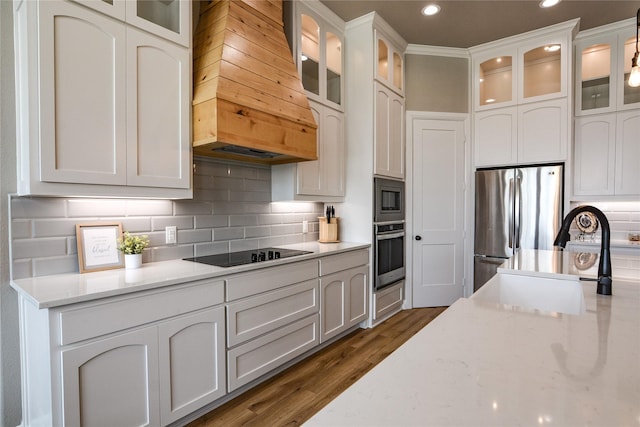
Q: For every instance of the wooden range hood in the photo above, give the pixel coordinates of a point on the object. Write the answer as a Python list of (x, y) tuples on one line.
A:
[(248, 100)]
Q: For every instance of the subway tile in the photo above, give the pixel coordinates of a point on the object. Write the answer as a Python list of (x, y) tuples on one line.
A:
[(194, 236), (267, 242), (26, 207), (182, 222), (95, 208), (20, 229), (228, 233), (229, 208), (157, 238), (149, 207), (55, 265), (206, 195), (249, 196), (258, 208), (239, 220), (293, 218), (211, 221), (203, 182), (21, 269), (256, 185), (211, 248), (244, 245), (38, 248), (170, 252), (270, 219), (55, 227), (264, 174), (184, 207), (227, 183), (279, 230), (135, 224), (210, 167), (243, 171), (251, 232), (72, 245)]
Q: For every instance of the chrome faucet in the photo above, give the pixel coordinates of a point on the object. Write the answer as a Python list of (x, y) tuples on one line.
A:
[(604, 267)]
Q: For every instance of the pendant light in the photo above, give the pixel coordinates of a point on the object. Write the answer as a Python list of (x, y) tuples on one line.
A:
[(634, 77)]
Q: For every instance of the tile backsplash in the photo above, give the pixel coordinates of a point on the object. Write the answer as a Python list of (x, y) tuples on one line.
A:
[(624, 218), (231, 210)]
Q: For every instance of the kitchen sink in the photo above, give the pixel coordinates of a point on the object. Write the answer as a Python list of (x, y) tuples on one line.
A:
[(533, 292)]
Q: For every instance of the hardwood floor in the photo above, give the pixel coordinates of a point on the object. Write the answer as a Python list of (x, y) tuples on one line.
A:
[(296, 394)]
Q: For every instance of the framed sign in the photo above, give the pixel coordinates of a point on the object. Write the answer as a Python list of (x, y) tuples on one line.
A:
[(98, 246)]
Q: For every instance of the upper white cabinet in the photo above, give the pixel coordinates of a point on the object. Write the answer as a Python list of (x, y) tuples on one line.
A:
[(521, 97), (603, 64), (318, 43), (389, 132), (103, 108), (170, 19), (389, 63)]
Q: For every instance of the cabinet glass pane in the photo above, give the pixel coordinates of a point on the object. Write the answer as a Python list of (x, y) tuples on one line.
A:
[(631, 94), (334, 67), (165, 13), (495, 80), (310, 54), (397, 70), (108, 1), (596, 74), (383, 60), (542, 68)]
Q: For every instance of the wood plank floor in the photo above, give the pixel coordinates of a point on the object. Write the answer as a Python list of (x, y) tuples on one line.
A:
[(296, 394)]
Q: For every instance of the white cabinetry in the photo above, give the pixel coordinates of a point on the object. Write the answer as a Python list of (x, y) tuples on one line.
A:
[(344, 292), (521, 92), (272, 318), (389, 133), (318, 46), (317, 180), (594, 156), (143, 359), (103, 108)]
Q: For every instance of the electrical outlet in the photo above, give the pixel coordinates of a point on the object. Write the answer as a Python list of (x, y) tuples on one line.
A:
[(305, 226), (170, 235)]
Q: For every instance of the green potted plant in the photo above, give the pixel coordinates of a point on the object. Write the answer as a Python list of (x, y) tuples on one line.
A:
[(132, 246)]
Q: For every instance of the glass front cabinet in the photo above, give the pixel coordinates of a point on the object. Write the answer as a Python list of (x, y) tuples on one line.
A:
[(603, 64)]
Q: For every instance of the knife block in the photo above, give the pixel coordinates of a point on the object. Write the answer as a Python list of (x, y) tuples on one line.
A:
[(328, 230)]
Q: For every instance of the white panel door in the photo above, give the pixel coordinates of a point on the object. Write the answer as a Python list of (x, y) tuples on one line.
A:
[(438, 212)]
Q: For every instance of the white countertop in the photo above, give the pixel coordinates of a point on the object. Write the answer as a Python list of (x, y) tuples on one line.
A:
[(62, 289), (481, 363)]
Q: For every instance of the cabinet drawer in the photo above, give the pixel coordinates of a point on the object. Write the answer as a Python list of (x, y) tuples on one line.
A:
[(249, 361), (249, 318), (92, 320), (388, 300), (247, 284), (343, 261)]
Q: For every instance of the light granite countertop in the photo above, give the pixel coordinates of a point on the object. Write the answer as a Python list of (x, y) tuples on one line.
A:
[(485, 364), (62, 289)]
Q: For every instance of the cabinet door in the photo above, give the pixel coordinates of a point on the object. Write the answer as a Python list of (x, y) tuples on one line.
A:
[(168, 19), (358, 288), (542, 131), (594, 161), (192, 363), (158, 95), (82, 94), (308, 173), (389, 133), (333, 305), (595, 74), (496, 137), (113, 381), (114, 8), (332, 153), (542, 69), (628, 153)]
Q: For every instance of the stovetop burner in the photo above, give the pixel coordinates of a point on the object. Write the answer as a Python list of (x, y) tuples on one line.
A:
[(246, 257)]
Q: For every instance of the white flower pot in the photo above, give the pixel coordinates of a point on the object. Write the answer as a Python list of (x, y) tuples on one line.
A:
[(132, 261)]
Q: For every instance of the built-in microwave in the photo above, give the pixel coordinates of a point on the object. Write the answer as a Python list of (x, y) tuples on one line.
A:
[(388, 200)]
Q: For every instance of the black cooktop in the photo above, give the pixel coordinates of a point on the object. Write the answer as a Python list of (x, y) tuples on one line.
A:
[(246, 257)]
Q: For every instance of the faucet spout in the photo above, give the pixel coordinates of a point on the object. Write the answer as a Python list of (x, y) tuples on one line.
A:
[(604, 266)]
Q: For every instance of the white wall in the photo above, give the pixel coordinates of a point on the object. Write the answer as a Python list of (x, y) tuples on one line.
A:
[(9, 344)]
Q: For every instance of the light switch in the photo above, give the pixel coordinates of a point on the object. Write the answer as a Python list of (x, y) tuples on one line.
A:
[(170, 233)]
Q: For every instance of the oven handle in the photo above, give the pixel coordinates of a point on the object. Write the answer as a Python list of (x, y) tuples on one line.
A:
[(389, 236)]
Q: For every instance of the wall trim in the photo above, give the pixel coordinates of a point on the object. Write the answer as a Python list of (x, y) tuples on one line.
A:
[(453, 52)]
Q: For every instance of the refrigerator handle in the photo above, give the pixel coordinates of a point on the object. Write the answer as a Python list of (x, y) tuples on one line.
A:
[(511, 225), (517, 211)]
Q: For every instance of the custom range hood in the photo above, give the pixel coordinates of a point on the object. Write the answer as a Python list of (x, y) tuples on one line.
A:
[(248, 100)]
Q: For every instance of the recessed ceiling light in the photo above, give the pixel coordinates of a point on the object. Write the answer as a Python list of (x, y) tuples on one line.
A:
[(552, 48), (549, 3), (430, 9), (490, 100)]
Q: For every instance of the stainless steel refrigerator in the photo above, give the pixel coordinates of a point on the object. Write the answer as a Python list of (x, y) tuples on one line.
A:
[(516, 208)]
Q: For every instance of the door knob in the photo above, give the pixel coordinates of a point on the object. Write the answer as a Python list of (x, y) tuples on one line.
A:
[(418, 237)]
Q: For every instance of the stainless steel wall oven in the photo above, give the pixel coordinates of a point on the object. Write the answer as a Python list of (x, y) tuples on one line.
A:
[(389, 253)]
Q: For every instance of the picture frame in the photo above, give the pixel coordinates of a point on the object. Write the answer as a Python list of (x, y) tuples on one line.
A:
[(98, 246)]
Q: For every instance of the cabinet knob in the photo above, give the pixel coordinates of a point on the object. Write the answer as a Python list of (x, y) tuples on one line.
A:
[(418, 237)]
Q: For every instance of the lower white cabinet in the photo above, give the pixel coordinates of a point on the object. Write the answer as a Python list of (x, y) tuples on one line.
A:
[(147, 358), (344, 292), (607, 149), (388, 300)]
